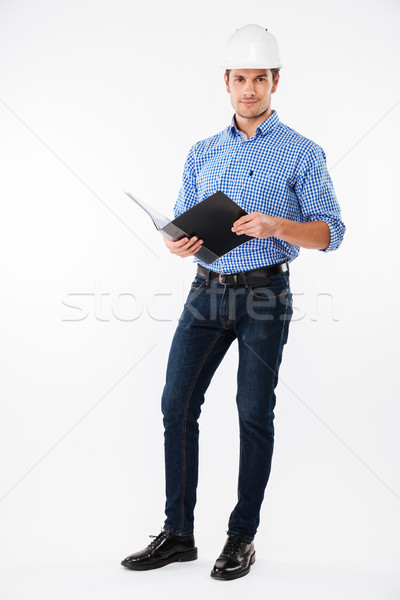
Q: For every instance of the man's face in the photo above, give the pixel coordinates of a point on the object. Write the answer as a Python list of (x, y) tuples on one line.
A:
[(250, 91)]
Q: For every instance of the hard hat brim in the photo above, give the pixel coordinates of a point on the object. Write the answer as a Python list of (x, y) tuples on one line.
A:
[(245, 65)]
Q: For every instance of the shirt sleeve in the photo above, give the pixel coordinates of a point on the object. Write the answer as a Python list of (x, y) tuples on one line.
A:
[(187, 196), (316, 196)]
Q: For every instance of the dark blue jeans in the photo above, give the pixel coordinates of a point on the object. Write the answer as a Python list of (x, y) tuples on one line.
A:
[(213, 316)]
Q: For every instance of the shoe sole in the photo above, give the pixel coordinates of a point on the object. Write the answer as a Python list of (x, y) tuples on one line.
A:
[(181, 557), (230, 576)]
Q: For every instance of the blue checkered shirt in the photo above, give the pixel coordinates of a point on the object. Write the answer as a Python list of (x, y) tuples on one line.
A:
[(277, 172)]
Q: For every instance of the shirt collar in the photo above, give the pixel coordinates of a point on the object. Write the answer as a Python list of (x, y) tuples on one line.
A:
[(263, 129)]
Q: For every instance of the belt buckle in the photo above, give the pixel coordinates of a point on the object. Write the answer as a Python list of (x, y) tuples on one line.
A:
[(222, 275)]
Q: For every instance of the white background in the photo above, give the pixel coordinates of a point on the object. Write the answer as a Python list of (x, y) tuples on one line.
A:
[(97, 97)]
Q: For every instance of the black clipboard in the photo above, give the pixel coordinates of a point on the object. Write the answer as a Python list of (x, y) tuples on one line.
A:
[(210, 220)]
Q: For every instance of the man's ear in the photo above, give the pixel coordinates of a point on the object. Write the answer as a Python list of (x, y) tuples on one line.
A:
[(275, 84), (227, 84)]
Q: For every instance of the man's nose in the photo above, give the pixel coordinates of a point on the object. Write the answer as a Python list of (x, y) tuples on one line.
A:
[(249, 88)]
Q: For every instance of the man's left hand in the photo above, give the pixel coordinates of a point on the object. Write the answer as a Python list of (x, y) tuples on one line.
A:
[(257, 225)]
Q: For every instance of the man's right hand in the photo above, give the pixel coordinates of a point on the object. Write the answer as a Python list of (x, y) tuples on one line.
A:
[(184, 247)]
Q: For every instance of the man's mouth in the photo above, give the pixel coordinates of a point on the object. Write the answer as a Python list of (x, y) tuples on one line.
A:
[(249, 102)]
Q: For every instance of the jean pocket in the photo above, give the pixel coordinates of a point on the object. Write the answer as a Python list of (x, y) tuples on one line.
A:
[(198, 283), (278, 287)]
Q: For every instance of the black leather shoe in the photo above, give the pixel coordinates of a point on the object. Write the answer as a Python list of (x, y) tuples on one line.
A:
[(235, 559), (164, 549)]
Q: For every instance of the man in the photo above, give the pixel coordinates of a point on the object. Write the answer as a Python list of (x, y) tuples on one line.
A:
[(280, 179)]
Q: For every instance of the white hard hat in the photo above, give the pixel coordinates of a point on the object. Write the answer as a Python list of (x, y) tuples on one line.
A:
[(251, 47)]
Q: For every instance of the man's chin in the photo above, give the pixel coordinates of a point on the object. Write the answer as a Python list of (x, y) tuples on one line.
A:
[(250, 115)]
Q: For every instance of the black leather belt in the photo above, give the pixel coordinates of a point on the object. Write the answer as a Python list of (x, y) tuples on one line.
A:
[(255, 276)]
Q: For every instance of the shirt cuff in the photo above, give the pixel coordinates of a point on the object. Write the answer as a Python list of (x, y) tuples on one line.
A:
[(336, 228)]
